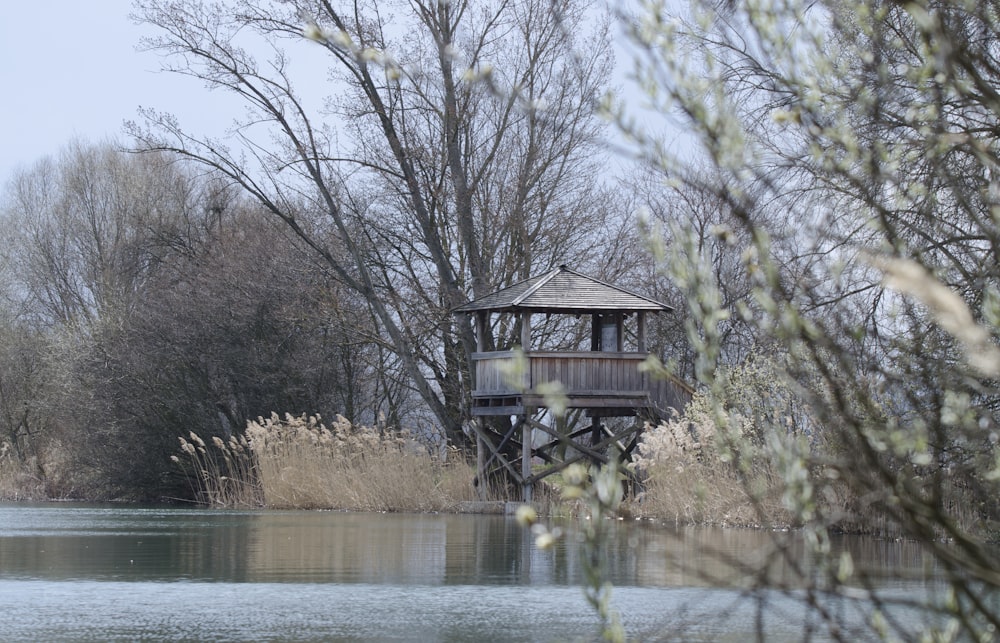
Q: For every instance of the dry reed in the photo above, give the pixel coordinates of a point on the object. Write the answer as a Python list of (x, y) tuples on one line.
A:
[(305, 464), (223, 475), (298, 462), (687, 481)]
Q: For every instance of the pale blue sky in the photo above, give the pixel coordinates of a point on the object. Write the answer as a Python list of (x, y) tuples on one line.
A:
[(69, 68)]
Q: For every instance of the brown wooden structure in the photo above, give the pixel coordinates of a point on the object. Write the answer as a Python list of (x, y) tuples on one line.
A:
[(516, 390)]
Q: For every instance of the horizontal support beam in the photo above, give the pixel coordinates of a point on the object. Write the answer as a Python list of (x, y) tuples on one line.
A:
[(481, 397), (628, 356), (497, 410)]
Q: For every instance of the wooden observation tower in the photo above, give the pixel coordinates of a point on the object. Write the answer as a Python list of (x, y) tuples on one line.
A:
[(520, 394)]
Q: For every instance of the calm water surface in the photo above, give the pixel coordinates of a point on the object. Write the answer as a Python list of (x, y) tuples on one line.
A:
[(78, 573)]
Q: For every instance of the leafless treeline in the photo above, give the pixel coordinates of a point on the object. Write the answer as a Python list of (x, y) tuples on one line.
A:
[(310, 261)]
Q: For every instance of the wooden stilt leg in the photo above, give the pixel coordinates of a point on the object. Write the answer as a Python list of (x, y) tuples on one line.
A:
[(480, 467), (526, 460)]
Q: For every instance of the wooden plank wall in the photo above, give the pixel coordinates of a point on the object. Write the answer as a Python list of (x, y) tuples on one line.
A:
[(580, 373)]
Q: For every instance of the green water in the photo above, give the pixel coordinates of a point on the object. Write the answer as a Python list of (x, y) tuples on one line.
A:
[(77, 573)]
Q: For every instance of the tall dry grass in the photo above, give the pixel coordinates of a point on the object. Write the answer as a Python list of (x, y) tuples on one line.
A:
[(223, 474), (301, 463), (686, 480), (306, 464), (761, 472)]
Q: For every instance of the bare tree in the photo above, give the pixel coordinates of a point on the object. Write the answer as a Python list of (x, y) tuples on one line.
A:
[(854, 146), (417, 188), (246, 324), (90, 227), (23, 421), (672, 214), (87, 231)]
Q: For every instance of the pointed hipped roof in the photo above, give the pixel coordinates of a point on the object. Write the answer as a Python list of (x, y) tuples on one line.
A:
[(563, 291)]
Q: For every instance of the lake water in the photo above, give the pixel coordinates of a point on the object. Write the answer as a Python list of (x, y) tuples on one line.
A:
[(84, 573)]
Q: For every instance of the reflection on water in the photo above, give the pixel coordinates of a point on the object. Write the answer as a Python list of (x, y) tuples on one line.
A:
[(100, 573), (65, 543)]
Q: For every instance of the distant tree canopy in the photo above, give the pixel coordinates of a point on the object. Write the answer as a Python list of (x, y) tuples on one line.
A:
[(148, 300)]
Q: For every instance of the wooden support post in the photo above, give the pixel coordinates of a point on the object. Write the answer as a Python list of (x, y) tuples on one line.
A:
[(595, 430), (592, 452), (495, 453), (498, 451), (626, 455), (480, 467), (615, 440), (526, 331), (526, 485), (481, 328), (641, 331)]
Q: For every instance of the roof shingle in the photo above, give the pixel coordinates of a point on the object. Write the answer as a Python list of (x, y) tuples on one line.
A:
[(563, 291)]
